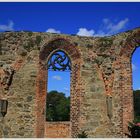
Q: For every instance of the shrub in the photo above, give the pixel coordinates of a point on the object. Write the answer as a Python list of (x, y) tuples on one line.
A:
[(29, 46), (134, 129), (30, 33), (82, 135), (38, 40)]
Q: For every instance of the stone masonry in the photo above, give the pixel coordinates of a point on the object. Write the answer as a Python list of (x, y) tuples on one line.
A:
[(101, 84)]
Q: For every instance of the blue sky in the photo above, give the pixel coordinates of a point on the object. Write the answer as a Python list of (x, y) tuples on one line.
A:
[(136, 69), (85, 19), (59, 81)]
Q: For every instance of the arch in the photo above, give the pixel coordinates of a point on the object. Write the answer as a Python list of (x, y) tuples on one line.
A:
[(74, 54), (58, 62), (132, 42), (127, 50), (135, 82), (59, 44)]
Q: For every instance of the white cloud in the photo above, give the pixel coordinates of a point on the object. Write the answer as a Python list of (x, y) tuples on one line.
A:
[(52, 30), (138, 88), (107, 27), (57, 77), (8, 27), (134, 67), (85, 32), (114, 28)]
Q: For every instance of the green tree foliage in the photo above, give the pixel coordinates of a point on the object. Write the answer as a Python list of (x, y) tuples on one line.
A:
[(134, 130), (58, 106), (136, 95)]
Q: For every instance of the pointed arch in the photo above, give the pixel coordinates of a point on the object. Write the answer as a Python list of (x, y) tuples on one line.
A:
[(74, 54), (132, 42)]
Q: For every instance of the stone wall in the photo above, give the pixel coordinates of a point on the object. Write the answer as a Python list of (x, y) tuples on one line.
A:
[(101, 83)]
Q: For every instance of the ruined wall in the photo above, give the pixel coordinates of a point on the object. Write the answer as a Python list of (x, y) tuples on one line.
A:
[(57, 130), (104, 87)]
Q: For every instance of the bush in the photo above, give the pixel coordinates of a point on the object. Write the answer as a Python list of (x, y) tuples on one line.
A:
[(82, 135), (29, 46), (134, 129), (30, 34), (38, 40)]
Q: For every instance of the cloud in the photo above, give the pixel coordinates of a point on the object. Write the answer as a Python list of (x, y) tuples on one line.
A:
[(8, 27), (57, 77), (114, 28), (85, 32), (107, 28), (52, 30), (134, 67)]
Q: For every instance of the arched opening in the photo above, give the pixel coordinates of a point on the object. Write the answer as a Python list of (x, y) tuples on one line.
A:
[(136, 83), (58, 86), (65, 129), (127, 54)]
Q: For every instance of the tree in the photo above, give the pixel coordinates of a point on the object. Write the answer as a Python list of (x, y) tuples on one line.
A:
[(134, 130), (57, 106), (136, 95)]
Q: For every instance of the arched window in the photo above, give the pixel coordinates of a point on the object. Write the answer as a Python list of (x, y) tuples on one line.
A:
[(58, 56), (136, 83), (58, 94)]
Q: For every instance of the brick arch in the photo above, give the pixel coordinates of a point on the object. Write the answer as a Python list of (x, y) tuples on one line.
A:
[(74, 54), (132, 42), (62, 44)]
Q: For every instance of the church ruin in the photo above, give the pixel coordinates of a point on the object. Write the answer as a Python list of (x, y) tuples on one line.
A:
[(101, 84)]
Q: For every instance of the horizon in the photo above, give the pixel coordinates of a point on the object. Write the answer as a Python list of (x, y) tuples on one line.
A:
[(68, 34)]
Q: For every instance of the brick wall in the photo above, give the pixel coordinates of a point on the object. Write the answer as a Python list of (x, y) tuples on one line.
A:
[(57, 130)]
